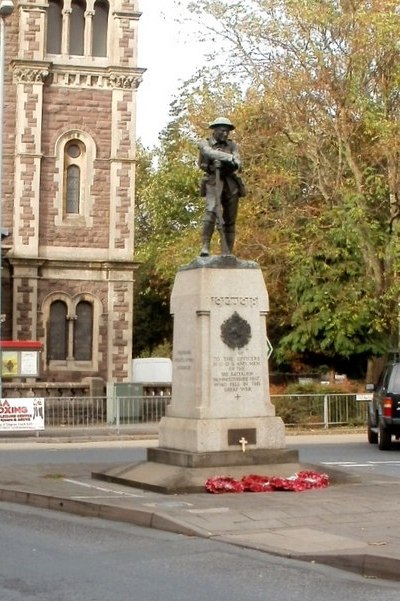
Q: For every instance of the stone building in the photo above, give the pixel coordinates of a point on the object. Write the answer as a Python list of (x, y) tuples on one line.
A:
[(71, 77)]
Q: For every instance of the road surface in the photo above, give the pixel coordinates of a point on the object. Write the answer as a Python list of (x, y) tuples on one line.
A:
[(46, 556)]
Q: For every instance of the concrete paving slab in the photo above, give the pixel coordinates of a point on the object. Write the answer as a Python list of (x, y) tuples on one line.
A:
[(296, 540)]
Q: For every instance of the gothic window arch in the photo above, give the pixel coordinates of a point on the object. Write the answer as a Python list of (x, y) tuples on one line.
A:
[(75, 155), (100, 26), (72, 330)]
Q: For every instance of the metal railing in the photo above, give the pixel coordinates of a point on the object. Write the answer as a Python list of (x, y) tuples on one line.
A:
[(144, 409), (75, 411), (90, 411), (321, 410), (301, 410)]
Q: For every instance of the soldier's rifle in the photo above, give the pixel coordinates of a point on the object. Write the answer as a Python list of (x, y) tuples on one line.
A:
[(218, 208)]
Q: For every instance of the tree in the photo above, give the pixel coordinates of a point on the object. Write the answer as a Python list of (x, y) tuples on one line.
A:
[(166, 198), (166, 214), (325, 75)]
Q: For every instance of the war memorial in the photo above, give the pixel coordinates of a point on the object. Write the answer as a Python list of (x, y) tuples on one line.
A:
[(220, 418)]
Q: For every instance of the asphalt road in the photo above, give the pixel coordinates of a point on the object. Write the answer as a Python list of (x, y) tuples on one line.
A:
[(101, 452), (350, 452), (46, 556)]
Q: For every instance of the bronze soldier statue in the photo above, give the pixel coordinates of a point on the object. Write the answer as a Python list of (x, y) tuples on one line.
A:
[(221, 186)]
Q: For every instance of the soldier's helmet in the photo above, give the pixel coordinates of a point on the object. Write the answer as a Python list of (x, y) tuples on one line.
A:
[(222, 121)]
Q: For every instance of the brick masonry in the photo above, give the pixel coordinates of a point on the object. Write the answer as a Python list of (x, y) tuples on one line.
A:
[(49, 100)]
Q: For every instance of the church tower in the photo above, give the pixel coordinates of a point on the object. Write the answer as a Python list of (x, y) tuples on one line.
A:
[(71, 77)]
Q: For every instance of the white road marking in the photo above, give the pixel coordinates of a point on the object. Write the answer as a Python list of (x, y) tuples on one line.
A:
[(101, 489), (355, 464), (350, 464), (386, 462)]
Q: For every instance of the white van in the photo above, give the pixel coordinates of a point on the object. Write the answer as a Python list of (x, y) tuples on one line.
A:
[(154, 370)]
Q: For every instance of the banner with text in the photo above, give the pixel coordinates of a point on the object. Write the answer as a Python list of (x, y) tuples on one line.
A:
[(21, 414)]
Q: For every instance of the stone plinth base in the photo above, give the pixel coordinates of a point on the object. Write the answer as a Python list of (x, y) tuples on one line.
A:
[(175, 479), (173, 472), (213, 435), (169, 478), (223, 458)]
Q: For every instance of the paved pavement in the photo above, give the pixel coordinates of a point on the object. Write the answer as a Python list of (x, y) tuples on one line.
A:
[(351, 525)]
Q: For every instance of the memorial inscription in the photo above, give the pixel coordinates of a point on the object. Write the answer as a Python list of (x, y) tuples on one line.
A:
[(235, 301), (183, 360), (240, 374)]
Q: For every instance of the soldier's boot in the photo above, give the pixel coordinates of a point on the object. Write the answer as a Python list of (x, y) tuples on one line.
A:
[(208, 230), (230, 241)]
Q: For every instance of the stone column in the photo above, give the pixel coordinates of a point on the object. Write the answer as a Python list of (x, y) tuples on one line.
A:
[(25, 298), (28, 159)]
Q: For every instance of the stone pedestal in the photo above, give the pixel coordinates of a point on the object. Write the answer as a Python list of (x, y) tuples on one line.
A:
[(220, 391), (221, 419)]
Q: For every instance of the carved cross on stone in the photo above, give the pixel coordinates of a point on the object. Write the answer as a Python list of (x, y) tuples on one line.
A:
[(243, 442)]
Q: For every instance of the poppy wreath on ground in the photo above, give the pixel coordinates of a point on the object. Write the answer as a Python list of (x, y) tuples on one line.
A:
[(224, 484), (304, 480)]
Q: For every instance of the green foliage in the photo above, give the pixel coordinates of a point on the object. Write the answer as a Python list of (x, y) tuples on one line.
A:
[(303, 410), (306, 409), (313, 388), (166, 203), (331, 83), (336, 309), (152, 321), (163, 349)]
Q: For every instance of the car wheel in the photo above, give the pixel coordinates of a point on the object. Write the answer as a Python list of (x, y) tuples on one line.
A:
[(372, 436), (384, 438)]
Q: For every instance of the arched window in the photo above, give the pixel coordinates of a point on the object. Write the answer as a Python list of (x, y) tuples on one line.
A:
[(100, 24), (83, 331), (77, 27), (54, 26), (74, 155), (58, 332)]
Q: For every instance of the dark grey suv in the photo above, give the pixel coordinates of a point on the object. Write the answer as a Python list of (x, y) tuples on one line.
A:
[(384, 409)]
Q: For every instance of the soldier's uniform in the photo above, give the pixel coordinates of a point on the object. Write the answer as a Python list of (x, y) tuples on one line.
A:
[(221, 154)]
